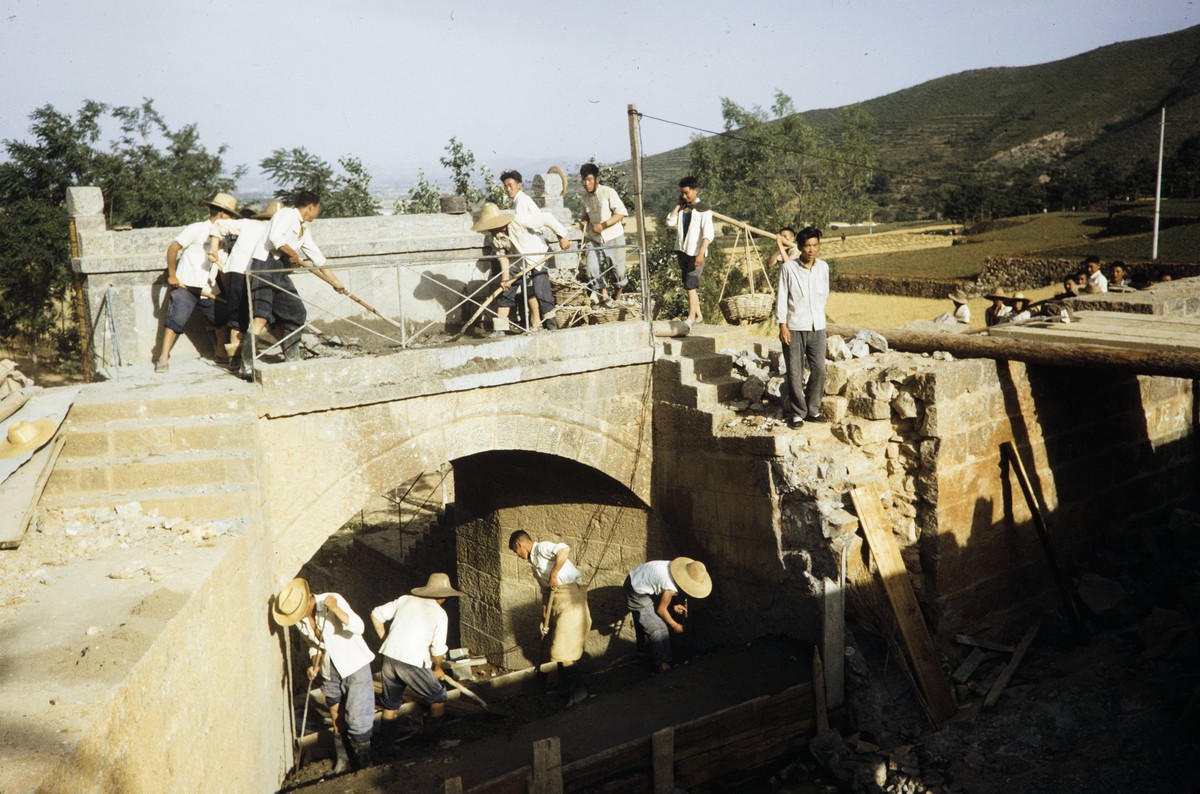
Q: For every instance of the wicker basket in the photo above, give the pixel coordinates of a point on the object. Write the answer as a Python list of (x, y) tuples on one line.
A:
[(568, 291), (748, 309), (610, 315)]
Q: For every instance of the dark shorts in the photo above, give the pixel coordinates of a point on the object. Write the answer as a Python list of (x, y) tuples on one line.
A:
[(688, 270), (233, 312), (538, 282), (274, 294), (182, 302), (396, 676)]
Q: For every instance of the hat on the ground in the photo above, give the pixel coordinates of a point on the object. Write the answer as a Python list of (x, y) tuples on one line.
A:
[(691, 576), (958, 296), (225, 202), (268, 211), (998, 294), (291, 602), (438, 586), (492, 217), (27, 436)]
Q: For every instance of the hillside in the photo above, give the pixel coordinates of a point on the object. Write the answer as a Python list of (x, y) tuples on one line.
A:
[(1102, 105)]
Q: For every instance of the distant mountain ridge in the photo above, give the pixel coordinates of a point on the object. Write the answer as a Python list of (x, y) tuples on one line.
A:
[(1102, 104)]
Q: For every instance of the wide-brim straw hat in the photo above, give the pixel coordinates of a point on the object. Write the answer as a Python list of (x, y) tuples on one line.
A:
[(691, 576), (998, 294), (27, 436), (223, 201), (1018, 296), (268, 211), (291, 602), (958, 296), (438, 586), (492, 217)]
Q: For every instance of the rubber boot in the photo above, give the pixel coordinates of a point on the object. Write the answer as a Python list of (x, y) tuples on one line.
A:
[(550, 324), (243, 363), (291, 349), (362, 751), (342, 765), (576, 691)]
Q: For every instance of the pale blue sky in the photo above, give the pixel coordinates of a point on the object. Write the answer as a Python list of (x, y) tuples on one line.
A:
[(519, 82)]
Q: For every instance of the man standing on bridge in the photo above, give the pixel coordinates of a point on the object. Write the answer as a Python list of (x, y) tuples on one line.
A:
[(800, 312), (565, 614), (692, 220), (601, 212)]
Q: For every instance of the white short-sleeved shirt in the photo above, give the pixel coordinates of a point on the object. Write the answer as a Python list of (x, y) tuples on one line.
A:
[(285, 228), (192, 267), (598, 207), (1100, 280), (344, 645), (533, 217), (248, 233), (418, 630), (652, 578), (541, 561), (803, 292)]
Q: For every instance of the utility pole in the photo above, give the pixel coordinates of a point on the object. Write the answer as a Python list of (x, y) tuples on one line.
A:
[(1162, 131), (635, 167)]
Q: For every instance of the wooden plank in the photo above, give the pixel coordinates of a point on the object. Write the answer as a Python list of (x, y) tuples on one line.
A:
[(833, 642), (1011, 668), (1110, 333), (1066, 589), (1173, 364), (514, 782), (21, 492), (1129, 318), (662, 753), (819, 713), (969, 665), (925, 662), (453, 785), (987, 645), (1151, 342), (547, 767), (11, 403)]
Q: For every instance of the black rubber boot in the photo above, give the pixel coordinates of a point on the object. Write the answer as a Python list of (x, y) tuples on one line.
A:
[(362, 752), (576, 691), (342, 765), (551, 324), (245, 361), (291, 349)]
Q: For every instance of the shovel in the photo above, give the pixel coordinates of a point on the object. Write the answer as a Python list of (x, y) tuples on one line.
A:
[(304, 718), (541, 677)]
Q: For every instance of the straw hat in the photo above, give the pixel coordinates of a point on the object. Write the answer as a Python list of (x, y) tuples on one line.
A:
[(998, 295), (691, 576), (1018, 296), (958, 296), (291, 603), (492, 217), (268, 211), (225, 202), (27, 436), (438, 586)]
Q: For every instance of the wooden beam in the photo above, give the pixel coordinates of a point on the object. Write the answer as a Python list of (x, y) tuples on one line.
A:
[(967, 669), (927, 666), (19, 500), (1011, 668), (547, 767), (1066, 589), (818, 675), (662, 750), (453, 785), (1177, 364), (987, 645), (833, 642)]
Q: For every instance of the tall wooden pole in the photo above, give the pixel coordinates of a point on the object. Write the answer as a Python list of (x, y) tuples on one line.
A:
[(1162, 132), (635, 167)]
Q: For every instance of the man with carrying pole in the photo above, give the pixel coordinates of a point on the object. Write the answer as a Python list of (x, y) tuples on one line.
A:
[(565, 614), (338, 652)]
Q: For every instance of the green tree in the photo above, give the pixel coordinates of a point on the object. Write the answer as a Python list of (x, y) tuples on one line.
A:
[(343, 195), (423, 197), (33, 236)]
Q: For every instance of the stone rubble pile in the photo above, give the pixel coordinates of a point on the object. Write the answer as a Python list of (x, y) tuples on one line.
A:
[(61, 536)]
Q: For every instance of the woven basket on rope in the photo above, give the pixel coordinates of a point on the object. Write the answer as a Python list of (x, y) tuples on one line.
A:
[(569, 292), (610, 315), (748, 309)]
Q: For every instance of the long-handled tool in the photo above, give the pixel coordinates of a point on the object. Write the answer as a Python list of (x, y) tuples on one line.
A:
[(449, 680), (321, 275), (544, 628), (484, 304), (307, 698)]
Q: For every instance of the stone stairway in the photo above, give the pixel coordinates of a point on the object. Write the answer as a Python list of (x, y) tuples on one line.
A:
[(690, 372), (181, 444)]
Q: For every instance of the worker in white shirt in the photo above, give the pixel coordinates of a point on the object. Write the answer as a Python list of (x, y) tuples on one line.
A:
[(190, 275), (413, 651), (565, 614), (800, 312), (339, 654), (692, 220), (1095, 274), (601, 213)]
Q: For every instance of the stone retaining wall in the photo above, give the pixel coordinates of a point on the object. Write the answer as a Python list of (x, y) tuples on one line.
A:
[(1014, 272), (937, 288)]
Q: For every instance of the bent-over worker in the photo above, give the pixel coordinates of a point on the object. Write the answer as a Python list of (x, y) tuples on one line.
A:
[(649, 589)]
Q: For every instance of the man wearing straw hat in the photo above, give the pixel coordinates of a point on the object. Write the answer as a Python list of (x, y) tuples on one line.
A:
[(235, 241), (1000, 308), (962, 311), (191, 274), (601, 212), (531, 254), (649, 589), (565, 614), (413, 650), (338, 652)]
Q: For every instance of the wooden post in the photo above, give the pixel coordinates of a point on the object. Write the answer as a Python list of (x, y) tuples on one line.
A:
[(662, 746), (547, 767), (453, 785), (635, 168), (1007, 673), (818, 690), (927, 667), (1066, 590), (833, 642)]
